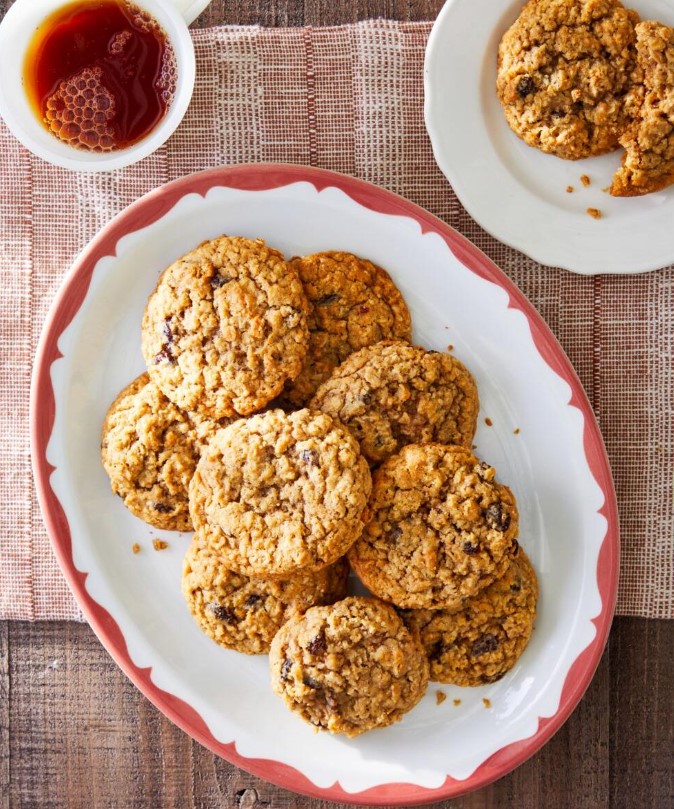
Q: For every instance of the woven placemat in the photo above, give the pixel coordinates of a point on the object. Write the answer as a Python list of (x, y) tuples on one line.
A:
[(348, 99)]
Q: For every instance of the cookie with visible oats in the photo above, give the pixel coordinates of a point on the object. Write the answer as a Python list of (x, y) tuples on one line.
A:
[(648, 162), (442, 528), (483, 639), (564, 75), (277, 492), (392, 394), (205, 428), (244, 614), (348, 668), (353, 304), (150, 450), (225, 328)]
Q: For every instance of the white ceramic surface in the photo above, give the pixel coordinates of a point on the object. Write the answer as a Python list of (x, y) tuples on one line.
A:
[(517, 193), (545, 464), (16, 31), (190, 9)]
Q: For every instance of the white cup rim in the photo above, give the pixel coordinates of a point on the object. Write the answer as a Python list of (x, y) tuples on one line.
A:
[(16, 31)]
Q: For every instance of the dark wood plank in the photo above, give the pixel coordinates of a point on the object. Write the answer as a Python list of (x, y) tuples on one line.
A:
[(580, 748), (274, 13), (642, 714), (80, 729), (82, 735), (290, 13), (4, 715)]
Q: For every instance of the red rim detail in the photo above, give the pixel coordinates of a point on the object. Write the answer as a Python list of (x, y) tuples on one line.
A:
[(260, 177)]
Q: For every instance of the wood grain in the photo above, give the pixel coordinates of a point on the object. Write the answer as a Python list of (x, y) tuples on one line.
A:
[(4, 715), (75, 733), (291, 13), (319, 12), (641, 714), (81, 735)]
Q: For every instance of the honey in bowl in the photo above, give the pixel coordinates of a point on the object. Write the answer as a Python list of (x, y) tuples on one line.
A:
[(100, 74)]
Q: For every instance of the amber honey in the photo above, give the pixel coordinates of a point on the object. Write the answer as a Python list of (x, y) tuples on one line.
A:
[(100, 74)]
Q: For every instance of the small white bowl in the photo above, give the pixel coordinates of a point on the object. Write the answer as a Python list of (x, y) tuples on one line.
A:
[(16, 32)]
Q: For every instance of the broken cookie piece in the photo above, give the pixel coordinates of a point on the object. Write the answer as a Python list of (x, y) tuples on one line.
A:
[(648, 162)]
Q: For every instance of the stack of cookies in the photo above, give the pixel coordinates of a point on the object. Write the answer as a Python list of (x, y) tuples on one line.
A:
[(286, 418)]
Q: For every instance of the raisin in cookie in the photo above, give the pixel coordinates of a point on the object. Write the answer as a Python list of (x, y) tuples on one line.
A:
[(565, 75), (392, 394), (348, 668), (481, 641), (648, 162), (278, 492), (225, 328), (442, 528), (353, 303), (244, 614), (149, 450)]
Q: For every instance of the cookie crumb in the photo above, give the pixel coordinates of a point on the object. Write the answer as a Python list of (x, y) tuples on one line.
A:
[(569, 189), (595, 213), (159, 544), (450, 347), (456, 702), (486, 702), (135, 547), (440, 697), (516, 431), (585, 180), (488, 422)]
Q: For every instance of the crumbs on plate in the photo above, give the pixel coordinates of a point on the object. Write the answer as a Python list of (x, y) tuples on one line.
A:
[(570, 119)]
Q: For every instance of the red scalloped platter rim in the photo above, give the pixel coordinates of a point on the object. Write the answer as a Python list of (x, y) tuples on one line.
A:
[(258, 177)]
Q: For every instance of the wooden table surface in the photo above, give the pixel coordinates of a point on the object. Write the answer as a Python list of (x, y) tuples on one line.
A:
[(74, 732)]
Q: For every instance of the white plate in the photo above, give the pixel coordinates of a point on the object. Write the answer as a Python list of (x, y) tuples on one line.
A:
[(517, 192), (556, 465)]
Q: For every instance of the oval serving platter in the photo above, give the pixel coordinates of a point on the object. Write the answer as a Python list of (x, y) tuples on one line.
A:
[(543, 440)]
